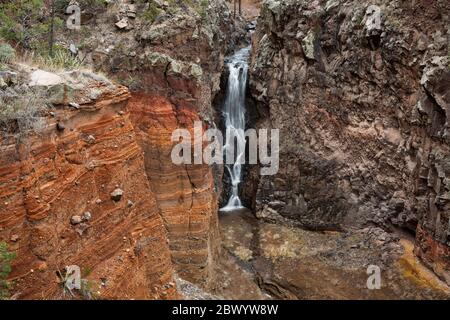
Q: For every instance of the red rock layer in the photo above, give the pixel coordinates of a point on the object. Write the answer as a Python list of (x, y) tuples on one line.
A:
[(435, 254), (48, 178), (185, 194)]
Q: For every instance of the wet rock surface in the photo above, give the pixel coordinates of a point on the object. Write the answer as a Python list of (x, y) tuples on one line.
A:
[(291, 263)]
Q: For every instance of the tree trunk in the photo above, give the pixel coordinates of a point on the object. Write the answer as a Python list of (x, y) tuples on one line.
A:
[(52, 27)]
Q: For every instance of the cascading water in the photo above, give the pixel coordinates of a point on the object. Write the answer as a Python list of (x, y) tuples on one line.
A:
[(234, 113)]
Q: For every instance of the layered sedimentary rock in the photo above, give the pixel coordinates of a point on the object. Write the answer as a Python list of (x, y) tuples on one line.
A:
[(75, 192), (185, 194), (360, 93), (172, 63)]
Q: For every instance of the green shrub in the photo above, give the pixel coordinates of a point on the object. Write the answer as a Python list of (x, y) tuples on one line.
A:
[(203, 9), (19, 18), (93, 5), (7, 53), (22, 113), (152, 12), (6, 258), (174, 7), (27, 23)]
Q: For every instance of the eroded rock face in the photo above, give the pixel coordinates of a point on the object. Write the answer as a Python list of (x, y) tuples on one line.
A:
[(362, 110), (185, 42), (172, 64), (185, 194), (55, 198)]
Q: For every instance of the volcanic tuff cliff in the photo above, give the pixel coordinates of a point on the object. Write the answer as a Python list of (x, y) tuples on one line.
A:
[(172, 64), (363, 112)]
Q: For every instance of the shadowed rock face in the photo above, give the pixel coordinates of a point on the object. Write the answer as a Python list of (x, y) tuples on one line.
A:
[(363, 117), (51, 180), (185, 194)]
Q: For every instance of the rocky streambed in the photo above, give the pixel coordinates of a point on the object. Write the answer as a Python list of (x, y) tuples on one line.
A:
[(283, 262)]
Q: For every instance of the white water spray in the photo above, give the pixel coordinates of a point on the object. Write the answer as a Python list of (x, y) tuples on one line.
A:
[(234, 112)]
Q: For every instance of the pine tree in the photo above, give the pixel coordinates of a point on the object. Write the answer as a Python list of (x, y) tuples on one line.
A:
[(6, 258)]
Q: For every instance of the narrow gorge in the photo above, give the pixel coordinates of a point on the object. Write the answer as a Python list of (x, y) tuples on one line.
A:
[(359, 92)]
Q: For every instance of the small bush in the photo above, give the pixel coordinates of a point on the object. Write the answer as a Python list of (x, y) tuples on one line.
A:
[(152, 12), (24, 22), (6, 258), (93, 5), (62, 59), (199, 6), (7, 53), (203, 9), (22, 113)]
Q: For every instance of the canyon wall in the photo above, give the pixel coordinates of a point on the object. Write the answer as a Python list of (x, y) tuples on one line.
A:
[(73, 191), (363, 106), (94, 184), (171, 57)]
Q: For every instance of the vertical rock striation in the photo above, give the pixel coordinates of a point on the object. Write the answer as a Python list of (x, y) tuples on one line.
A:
[(362, 104), (185, 194)]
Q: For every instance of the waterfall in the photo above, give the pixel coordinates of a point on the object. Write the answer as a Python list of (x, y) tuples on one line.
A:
[(234, 113)]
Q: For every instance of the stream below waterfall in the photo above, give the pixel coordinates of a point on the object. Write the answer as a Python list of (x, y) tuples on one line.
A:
[(262, 260)]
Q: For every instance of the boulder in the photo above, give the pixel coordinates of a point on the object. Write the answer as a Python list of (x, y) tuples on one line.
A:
[(308, 45), (76, 220), (44, 78), (117, 194), (122, 24)]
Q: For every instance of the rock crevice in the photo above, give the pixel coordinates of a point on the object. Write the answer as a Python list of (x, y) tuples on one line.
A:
[(360, 95)]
